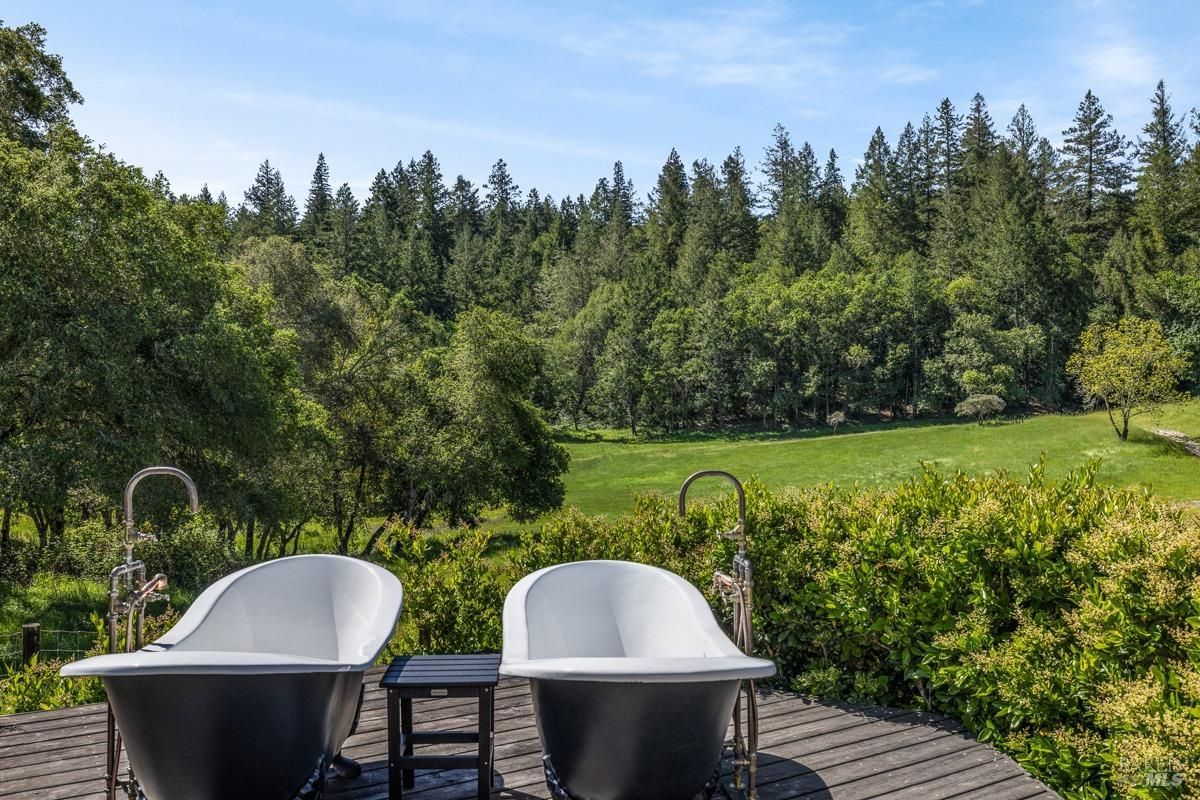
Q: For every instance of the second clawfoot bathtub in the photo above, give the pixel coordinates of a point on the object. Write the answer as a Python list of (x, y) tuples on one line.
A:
[(251, 694)]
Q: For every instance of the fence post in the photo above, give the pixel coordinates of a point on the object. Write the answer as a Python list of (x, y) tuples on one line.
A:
[(31, 642)]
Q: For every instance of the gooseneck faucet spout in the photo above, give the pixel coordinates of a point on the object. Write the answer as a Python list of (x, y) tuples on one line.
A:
[(188, 483), (736, 587), (739, 533)]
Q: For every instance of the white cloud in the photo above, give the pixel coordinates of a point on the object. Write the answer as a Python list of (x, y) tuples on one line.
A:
[(758, 46), (908, 73), (307, 108), (1116, 62)]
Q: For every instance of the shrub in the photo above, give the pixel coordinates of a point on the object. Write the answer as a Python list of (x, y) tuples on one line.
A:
[(39, 687), (980, 406)]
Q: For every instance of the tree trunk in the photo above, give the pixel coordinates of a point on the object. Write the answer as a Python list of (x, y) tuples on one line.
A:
[(263, 542), (378, 532), (248, 550), (6, 528), (1116, 429)]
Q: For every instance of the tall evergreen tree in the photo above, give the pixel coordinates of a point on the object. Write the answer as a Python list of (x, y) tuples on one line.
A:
[(948, 242), (667, 214), (1092, 177), (909, 194), (1160, 151), (316, 226), (871, 229), (344, 249), (832, 198), (429, 241), (705, 235), (268, 208), (739, 225)]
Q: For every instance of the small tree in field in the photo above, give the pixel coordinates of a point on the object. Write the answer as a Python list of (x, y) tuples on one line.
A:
[(835, 419), (980, 406), (1130, 368)]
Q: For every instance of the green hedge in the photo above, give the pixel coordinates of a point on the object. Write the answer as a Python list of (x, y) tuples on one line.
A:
[(1059, 621)]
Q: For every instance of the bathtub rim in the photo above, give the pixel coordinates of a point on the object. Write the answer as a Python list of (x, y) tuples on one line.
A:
[(158, 658), (624, 669)]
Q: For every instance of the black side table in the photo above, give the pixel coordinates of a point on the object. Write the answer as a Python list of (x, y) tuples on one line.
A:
[(412, 677)]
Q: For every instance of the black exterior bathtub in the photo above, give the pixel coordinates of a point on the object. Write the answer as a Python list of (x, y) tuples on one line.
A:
[(633, 680), (613, 741), (238, 737), (252, 693)]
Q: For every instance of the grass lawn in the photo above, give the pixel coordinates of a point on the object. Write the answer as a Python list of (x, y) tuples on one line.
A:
[(609, 469)]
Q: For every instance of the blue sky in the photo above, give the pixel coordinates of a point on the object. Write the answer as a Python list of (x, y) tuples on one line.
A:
[(206, 91)]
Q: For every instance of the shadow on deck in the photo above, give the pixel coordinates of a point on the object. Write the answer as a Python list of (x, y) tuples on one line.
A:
[(811, 750)]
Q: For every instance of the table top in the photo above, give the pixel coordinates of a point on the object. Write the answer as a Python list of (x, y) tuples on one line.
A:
[(442, 671)]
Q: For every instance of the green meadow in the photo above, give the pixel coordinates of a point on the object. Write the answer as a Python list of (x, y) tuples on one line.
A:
[(608, 469)]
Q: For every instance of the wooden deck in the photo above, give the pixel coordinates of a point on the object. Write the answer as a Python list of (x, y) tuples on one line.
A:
[(808, 750)]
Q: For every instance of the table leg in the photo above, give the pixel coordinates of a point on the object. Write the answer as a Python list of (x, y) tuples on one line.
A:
[(486, 709), (406, 727), (395, 789)]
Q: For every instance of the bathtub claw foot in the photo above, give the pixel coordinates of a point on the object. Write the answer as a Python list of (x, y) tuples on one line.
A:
[(346, 767)]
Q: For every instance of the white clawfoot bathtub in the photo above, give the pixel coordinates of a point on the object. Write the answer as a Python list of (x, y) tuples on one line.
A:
[(252, 693), (633, 680)]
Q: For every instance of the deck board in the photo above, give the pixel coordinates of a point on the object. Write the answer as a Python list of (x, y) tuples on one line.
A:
[(808, 751)]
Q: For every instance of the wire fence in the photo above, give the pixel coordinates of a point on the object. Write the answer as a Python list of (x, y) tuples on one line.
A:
[(49, 645), (10, 649)]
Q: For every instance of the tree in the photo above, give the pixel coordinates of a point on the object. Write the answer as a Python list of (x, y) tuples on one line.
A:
[(835, 419), (667, 213), (1157, 211), (739, 230), (1092, 176), (35, 92), (832, 198), (871, 225), (1129, 367), (129, 345), (268, 208), (316, 226), (344, 250), (980, 406)]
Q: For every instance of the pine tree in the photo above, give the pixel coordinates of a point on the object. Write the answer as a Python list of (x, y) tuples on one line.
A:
[(316, 226), (909, 194), (950, 236), (1092, 177), (832, 199), (429, 240), (1022, 136), (739, 226), (794, 238), (466, 211), (268, 208), (615, 257), (780, 168), (978, 142), (344, 249), (1189, 211), (1160, 151), (947, 148), (380, 241), (667, 214), (871, 228), (205, 196), (707, 231)]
